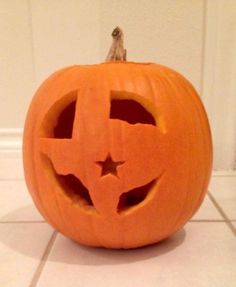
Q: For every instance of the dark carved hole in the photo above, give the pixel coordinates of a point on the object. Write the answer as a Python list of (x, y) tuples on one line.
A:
[(64, 126), (134, 196), (74, 188), (109, 166), (131, 112)]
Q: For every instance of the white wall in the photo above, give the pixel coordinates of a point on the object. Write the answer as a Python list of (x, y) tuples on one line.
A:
[(195, 37), (219, 79)]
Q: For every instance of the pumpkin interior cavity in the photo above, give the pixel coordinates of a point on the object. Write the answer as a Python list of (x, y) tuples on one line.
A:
[(75, 189), (130, 111), (64, 126), (108, 166), (59, 120), (70, 185), (134, 196)]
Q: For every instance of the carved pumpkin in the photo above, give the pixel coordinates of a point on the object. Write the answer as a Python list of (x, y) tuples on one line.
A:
[(117, 154)]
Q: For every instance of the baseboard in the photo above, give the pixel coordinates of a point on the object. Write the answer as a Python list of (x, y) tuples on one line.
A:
[(10, 142), (224, 173)]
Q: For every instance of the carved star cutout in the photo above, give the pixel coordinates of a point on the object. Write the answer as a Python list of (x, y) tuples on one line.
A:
[(109, 166)]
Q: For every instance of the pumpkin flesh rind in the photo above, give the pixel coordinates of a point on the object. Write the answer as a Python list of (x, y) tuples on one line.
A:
[(177, 153)]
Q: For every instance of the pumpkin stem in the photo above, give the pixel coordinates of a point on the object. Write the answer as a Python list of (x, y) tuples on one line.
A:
[(117, 51)]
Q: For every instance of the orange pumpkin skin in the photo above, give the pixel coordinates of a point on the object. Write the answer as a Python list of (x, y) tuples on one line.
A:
[(69, 132)]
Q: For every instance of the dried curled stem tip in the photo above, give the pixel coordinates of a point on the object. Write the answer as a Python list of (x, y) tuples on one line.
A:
[(117, 51)]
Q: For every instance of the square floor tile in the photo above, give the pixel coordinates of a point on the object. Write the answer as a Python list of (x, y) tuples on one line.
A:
[(207, 211), (11, 167), (21, 248), (224, 191), (200, 255), (16, 203)]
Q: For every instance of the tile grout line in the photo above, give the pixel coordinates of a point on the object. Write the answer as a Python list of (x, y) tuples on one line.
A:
[(223, 214), (11, 179), (43, 260), (207, 220), (11, 222)]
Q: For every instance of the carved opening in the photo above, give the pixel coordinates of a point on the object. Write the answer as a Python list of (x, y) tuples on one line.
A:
[(109, 166), (130, 111), (134, 196), (70, 185), (58, 121), (64, 126), (74, 188)]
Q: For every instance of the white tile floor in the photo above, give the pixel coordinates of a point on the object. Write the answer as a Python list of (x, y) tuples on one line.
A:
[(32, 254)]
